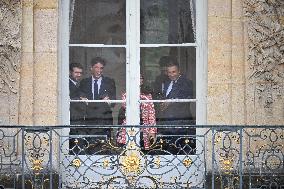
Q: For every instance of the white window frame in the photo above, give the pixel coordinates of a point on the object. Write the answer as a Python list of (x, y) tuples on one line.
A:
[(133, 62)]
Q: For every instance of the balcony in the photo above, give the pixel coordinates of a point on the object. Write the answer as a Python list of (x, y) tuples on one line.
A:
[(198, 157)]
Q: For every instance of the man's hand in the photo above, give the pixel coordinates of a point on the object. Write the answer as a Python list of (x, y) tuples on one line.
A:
[(107, 98), (84, 98)]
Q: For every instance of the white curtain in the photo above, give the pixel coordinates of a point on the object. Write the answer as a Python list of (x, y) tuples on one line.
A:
[(71, 13), (193, 16)]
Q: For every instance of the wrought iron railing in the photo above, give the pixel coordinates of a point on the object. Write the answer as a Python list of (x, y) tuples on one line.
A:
[(189, 157)]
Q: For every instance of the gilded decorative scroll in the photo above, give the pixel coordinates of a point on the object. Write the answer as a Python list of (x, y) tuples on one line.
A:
[(266, 47)]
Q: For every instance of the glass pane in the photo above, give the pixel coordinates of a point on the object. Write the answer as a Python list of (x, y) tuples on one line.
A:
[(175, 113), (169, 139), (102, 78), (161, 66), (93, 140), (97, 22), (168, 21)]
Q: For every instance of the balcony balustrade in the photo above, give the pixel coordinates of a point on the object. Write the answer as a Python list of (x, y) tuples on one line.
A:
[(224, 156)]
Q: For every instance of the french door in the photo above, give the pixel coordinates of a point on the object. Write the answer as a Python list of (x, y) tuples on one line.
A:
[(134, 37)]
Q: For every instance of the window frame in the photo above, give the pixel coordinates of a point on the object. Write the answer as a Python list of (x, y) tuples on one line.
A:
[(133, 62)]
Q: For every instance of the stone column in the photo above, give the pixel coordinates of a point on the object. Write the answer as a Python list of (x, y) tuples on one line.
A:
[(38, 98)]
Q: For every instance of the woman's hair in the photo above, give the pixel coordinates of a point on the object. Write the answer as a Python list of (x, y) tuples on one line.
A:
[(145, 89)]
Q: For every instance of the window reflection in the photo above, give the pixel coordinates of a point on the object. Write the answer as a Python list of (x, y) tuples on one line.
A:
[(154, 66), (173, 84), (115, 67), (97, 81), (97, 22), (175, 113), (167, 21)]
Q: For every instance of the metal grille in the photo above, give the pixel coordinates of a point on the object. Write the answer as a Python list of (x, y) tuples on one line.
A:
[(210, 157)]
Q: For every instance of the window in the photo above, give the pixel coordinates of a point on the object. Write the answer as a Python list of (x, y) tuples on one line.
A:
[(138, 39)]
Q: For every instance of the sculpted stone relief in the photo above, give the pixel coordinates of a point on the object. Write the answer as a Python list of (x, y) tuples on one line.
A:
[(266, 47), (10, 57), (10, 45)]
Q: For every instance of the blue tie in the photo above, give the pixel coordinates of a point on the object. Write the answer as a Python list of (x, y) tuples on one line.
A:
[(96, 95)]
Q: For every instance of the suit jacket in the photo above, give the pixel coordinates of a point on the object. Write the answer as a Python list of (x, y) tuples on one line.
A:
[(77, 109), (99, 113), (158, 85), (181, 89)]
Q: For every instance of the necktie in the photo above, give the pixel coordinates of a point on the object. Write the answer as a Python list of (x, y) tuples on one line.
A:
[(77, 84), (169, 88), (96, 95)]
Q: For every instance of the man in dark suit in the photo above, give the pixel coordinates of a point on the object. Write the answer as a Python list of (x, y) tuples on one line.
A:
[(98, 87), (77, 109), (159, 84), (176, 113), (177, 87)]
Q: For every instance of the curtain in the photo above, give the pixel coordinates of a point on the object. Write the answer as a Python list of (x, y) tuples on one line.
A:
[(71, 13), (193, 16)]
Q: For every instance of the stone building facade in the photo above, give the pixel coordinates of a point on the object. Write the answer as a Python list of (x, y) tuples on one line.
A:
[(245, 70)]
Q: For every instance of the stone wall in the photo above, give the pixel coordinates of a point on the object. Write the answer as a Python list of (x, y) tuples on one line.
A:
[(264, 32), (245, 62), (10, 60), (39, 70)]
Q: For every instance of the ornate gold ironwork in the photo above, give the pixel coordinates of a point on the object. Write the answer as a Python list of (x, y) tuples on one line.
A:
[(131, 163), (237, 139), (131, 132), (76, 163), (76, 141), (157, 161), (46, 141), (106, 163), (187, 162), (132, 145), (227, 164), (28, 140), (218, 138), (37, 165)]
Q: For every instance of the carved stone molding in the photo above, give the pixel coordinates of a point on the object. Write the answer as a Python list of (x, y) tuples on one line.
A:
[(10, 45), (10, 59), (265, 26)]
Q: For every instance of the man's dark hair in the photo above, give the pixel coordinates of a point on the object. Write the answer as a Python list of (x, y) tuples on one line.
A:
[(74, 65), (98, 60), (165, 61), (170, 64)]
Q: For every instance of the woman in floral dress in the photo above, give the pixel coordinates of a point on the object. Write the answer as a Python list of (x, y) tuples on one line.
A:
[(147, 118)]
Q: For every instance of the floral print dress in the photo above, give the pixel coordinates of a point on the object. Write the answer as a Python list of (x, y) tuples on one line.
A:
[(148, 118)]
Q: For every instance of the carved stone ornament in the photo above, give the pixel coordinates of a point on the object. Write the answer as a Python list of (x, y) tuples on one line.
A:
[(266, 47), (10, 45)]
